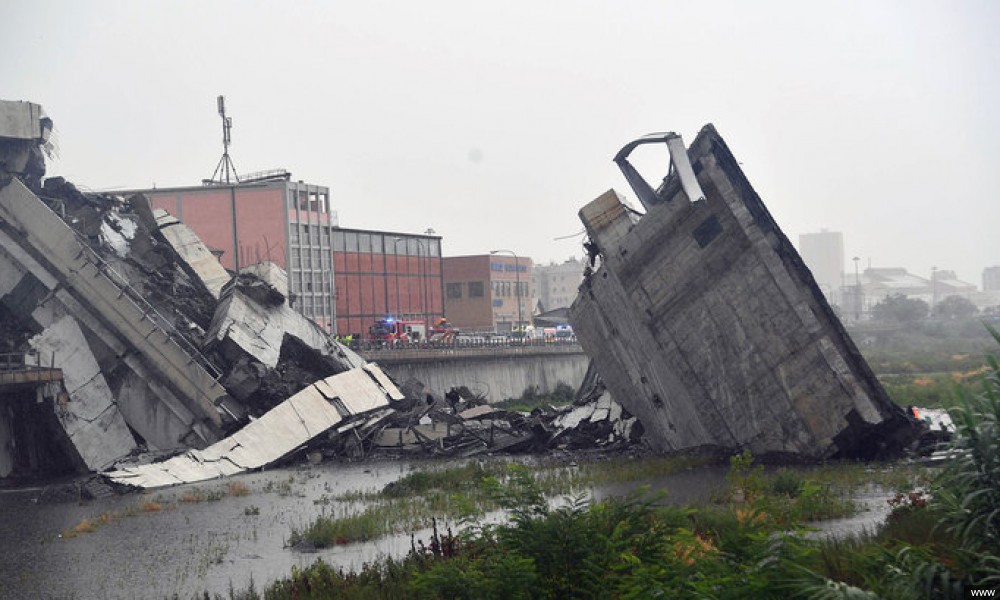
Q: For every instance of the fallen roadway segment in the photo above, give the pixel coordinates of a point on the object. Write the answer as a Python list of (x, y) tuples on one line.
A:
[(335, 401)]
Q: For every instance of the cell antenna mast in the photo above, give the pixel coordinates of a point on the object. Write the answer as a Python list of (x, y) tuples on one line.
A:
[(225, 168)]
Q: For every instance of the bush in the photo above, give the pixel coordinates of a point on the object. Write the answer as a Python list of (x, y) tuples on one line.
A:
[(787, 483)]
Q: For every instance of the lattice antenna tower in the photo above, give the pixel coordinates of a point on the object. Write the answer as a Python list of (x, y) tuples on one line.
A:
[(225, 168)]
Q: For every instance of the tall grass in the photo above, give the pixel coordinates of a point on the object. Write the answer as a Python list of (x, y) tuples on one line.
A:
[(937, 541), (938, 545)]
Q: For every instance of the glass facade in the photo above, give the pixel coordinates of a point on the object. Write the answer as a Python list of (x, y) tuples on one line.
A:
[(384, 274), (310, 264)]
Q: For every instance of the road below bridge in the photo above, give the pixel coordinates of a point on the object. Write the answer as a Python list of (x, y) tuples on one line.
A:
[(498, 372)]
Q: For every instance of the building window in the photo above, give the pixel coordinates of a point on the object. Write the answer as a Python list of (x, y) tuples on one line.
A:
[(475, 289), (454, 290)]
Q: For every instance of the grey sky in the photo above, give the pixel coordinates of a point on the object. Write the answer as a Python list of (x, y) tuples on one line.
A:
[(493, 123)]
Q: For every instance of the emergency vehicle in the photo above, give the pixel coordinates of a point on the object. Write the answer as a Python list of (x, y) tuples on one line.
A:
[(396, 331)]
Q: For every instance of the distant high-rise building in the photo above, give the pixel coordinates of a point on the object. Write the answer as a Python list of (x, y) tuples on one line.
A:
[(823, 253), (555, 285), (991, 278)]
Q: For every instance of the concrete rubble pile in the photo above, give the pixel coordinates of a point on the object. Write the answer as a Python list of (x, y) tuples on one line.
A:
[(135, 350), (162, 355), (463, 425), (703, 321), (158, 347)]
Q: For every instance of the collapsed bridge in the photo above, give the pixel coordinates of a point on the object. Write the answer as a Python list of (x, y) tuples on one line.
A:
[(704, 322)]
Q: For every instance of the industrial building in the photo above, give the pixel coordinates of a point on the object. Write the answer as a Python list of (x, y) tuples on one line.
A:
[(488, 292), (265, 218), (343, 279), (384, 274)]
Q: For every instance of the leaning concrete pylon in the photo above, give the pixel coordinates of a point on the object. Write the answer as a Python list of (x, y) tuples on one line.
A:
[(704, 322)]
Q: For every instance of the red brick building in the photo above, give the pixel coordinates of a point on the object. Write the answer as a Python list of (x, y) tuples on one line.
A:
[(382, 274), (488, 292), (341, 278)]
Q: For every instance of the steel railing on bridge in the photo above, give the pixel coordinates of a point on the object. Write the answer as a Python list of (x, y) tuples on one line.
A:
[(459, 343), (17, 368)]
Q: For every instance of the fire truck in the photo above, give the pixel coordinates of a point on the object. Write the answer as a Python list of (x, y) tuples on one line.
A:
[(395, 331)]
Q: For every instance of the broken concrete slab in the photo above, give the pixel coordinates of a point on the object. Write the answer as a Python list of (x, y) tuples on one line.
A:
[(24, 130), (21, 120), (274, 278), (282, 430), (90, 418), (196, 259), (477, 412), (704, 322), (129, 324), (35, 300), (242, 326)]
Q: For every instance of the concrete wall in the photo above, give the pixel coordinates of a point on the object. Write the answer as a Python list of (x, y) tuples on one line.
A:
[(497, 376), (91, 418)]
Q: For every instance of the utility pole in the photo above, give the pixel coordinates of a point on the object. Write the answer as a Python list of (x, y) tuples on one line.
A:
[(934, 289), (857, 291)]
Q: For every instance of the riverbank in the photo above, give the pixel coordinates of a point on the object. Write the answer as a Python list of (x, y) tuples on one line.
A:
[(196, 538)]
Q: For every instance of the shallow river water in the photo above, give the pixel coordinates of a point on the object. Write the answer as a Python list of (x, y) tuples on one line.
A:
[(192, 547), (187, 547)]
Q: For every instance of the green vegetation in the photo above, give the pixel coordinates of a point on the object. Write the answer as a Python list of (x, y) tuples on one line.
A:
[(900, 309), (532, 399), (749, 544), (922, 363), (937, 540), (927, 391), (462, 493)]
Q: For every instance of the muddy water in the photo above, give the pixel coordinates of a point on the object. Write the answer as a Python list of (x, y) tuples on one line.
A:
[(191, 547), (185, 548)]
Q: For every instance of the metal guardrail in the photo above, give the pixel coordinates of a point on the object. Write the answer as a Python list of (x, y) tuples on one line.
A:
[(149, 312), (381, 346), (26, 368), (21, 361)]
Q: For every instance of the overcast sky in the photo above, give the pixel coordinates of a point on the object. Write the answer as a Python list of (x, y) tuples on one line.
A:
[(493, 123)]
